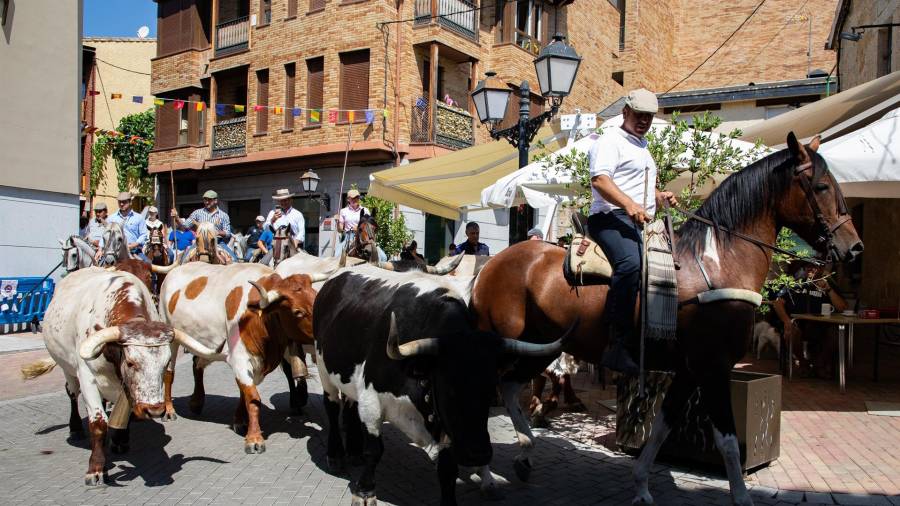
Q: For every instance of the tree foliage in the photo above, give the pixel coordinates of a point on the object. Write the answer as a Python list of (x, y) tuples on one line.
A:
[(131, 156), (392, 233)]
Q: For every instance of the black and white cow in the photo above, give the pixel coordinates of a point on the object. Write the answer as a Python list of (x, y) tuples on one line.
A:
[(401, 347)]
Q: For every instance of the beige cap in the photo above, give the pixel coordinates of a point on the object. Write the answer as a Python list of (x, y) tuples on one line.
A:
[(260, 218), (641, 100), (153, 209), (210, 195), (100, 206), (352, 194), (124, 196)]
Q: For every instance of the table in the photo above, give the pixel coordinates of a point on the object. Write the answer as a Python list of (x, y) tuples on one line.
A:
[(842, 322)]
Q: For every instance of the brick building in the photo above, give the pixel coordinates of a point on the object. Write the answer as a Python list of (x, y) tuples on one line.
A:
[(864, 54), (400, 57)]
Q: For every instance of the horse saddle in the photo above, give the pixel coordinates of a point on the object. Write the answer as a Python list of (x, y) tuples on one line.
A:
[(585, 262)]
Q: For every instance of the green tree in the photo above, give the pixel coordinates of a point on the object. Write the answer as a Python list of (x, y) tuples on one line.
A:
[(130, 150), (392, 233)]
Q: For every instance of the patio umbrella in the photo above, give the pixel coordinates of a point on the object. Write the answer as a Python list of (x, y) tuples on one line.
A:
[(866, 162)]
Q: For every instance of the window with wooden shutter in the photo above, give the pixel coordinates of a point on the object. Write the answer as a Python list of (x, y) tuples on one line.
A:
[(168, 26), (265, 12), (291, 8), (354, 87), (262, 99), (316, 5), (289, 90), (315, 90), (167, 125)]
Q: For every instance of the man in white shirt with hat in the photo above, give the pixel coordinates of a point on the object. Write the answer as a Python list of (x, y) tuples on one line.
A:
[(285, 214), (621, 168)]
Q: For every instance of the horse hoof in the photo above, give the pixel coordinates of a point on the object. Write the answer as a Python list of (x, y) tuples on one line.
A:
[(94, 479), (239, 428), (364, 499), (643, 498), (255, 447), (522, 468), (170, 416), (335, 465), (119, 448), (492, 494)]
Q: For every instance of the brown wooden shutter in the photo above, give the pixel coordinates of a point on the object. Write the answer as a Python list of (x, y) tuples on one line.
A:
[(291, 8), (289, 90), (545, 24), (186, 30), (315, 89), (354, 94), (262, 98), (166, 125), (316, 5), (168, 22)]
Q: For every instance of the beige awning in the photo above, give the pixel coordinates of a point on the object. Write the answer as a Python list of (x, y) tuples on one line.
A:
[(818, 117), (450, 185)]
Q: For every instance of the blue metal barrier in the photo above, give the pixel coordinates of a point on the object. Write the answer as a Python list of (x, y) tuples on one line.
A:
[(24, 300)]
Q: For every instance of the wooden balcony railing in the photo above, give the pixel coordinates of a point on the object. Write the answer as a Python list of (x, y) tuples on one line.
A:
[(459, 16), (229, 138), (232, 36), (453, 127)]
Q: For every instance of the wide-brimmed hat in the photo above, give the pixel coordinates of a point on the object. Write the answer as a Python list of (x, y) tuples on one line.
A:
[(641, 100), (352, 194), (100, 206), (210, 195), (124, 196), (282, 193)]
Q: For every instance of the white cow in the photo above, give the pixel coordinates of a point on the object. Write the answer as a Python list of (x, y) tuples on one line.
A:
[(104, 331), (251, 313)]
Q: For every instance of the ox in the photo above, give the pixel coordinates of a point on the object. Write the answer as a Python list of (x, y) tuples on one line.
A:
[(104, 331), (403, 348), (218, 305)]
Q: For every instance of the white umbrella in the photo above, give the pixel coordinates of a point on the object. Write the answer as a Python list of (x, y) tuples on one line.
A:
[(867, 162)]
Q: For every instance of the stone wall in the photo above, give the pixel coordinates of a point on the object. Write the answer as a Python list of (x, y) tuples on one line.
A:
[(859, 61)]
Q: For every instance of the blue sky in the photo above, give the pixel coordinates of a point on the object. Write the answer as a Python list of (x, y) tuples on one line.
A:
[(118, 18)]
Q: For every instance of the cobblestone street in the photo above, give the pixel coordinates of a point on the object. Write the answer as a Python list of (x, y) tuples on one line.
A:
[(199, 460)]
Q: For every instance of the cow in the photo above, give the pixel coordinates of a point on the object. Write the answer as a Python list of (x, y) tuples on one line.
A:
[(251, 313), (402, 347), (103, 329)]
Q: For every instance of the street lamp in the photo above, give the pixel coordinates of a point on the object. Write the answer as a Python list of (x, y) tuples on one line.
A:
[(310, 181), (556, 67)]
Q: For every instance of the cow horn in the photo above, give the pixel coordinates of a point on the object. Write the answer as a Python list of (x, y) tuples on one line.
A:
[(386, 266), (92, 346), (516, 347), (265, 297), (447, 269), (163, 269), (196, 348), (427, 346), (319, 276)]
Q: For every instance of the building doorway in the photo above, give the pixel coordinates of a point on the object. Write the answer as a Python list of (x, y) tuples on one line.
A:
[(521, 220), (311, 213), (243, 214), (438, 236)]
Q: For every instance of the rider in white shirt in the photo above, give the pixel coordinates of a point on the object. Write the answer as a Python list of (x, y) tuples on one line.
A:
[(285, 214)]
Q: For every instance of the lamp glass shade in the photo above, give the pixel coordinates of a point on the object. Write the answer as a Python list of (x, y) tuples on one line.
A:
[(556, 67), (310, 181), (491, 97), (480, 99), (497, 101)]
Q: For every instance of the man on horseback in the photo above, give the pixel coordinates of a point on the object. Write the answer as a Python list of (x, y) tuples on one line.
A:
[(132, 224), (285, 214), (619, 164), (210, 213), (97, 225)]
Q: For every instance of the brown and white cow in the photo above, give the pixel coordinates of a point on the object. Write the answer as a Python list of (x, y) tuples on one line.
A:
[(248, 311), (103, 329)]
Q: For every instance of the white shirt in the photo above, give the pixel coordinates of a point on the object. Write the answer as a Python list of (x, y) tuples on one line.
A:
[(350, 217), (291, 217), (623, 157)]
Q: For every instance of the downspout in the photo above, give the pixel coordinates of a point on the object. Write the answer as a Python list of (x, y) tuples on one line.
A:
[(397, 85)]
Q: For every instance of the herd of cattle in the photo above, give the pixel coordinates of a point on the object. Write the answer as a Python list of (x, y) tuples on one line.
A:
[(389, 346)]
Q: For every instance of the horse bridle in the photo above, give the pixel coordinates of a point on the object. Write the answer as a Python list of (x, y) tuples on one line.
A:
[(77, 255), (825, 231)]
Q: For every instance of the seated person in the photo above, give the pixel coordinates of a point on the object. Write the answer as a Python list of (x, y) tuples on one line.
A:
[(253, 235), (264, 244), (814, 343), (472, 246), (180, 239)]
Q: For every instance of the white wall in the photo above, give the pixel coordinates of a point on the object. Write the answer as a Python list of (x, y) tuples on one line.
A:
[(31, 222)]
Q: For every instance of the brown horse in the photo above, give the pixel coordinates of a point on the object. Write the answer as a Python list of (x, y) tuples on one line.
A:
[(364, 245), (522, 294)]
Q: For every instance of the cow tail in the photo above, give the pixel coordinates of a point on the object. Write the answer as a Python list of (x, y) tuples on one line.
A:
[(38, 368)]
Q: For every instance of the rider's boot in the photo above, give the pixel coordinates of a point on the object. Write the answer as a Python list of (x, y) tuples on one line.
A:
[(616, 358)]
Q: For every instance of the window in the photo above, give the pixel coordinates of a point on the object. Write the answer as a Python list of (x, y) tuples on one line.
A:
[(777, 110), (885, 43), (526, 24), (354, 88), (316, 5), (181, 25), (291, 8), (289, 89), (426, 81), (619, 5), (265, 12), (619, 77), (262, 99), (183, 124), (315, 81), (684, 109), (180, 127)]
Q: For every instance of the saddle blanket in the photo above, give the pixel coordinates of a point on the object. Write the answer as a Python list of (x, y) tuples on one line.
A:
[(662, 286)]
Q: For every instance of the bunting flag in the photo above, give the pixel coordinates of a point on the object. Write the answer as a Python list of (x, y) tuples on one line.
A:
[(385, 113), (179, 104), (90, 129), (297, 111), (238, 108), (158, 101), (332, 116), (350, 116), (370, 117), (278, 110), (315, 116), (220, 109), (93, 93), (137, 99), (115, 96), (258, 108), (200, 106)]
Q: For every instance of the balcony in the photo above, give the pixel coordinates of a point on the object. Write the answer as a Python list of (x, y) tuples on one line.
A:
[(232, 36), (456, 15), (453, 128), (229, 138)]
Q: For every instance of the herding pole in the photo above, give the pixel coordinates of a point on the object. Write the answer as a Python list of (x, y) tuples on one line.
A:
[(643, 288)]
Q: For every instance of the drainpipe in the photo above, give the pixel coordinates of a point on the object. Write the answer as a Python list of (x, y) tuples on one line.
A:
[(396, 112)]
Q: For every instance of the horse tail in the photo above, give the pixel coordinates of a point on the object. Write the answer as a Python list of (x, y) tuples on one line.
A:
[(37, 368)]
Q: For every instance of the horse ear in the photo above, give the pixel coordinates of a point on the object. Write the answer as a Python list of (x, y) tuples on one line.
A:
[(796, 148), (814, 143)]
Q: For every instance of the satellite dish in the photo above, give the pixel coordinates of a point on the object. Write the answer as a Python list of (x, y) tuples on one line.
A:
[(143, 32)]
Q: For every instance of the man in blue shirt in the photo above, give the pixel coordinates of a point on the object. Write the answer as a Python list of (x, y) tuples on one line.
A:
[(132, 224), (472, 246), (211, 213), (180, 239)]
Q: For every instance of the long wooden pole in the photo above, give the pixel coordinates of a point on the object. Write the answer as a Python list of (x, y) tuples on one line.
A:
[(174, 227), (334, 234)]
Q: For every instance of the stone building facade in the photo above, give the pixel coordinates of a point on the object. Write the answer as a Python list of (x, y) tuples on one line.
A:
[(877, 50)]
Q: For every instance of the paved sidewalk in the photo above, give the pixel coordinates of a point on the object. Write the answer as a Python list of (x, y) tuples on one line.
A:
[(21, 341), (201, 461)]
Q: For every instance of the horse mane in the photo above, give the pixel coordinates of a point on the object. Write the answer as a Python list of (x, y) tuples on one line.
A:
[(744, 197)]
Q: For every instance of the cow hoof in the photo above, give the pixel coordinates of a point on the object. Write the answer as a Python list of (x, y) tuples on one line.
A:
[(642, 498), (255, 447), (492, 494), (119, 448), (335, 465), (364, 499), (170, 416), (94, 479), (196, 406), (302, 393), (239, 428), (523, 468)]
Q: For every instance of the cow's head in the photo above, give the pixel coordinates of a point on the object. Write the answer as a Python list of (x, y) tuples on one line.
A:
[(140, 351), (286, 303), (463, 370)]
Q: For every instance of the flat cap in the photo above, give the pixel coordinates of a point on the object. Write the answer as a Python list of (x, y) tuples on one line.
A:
[(535, 232), (641, 100), (210, 195), (99, 206), (124, 196)]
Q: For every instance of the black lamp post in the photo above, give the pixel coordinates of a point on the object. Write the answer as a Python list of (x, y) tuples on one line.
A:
[(310, 181), (556, 67)]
